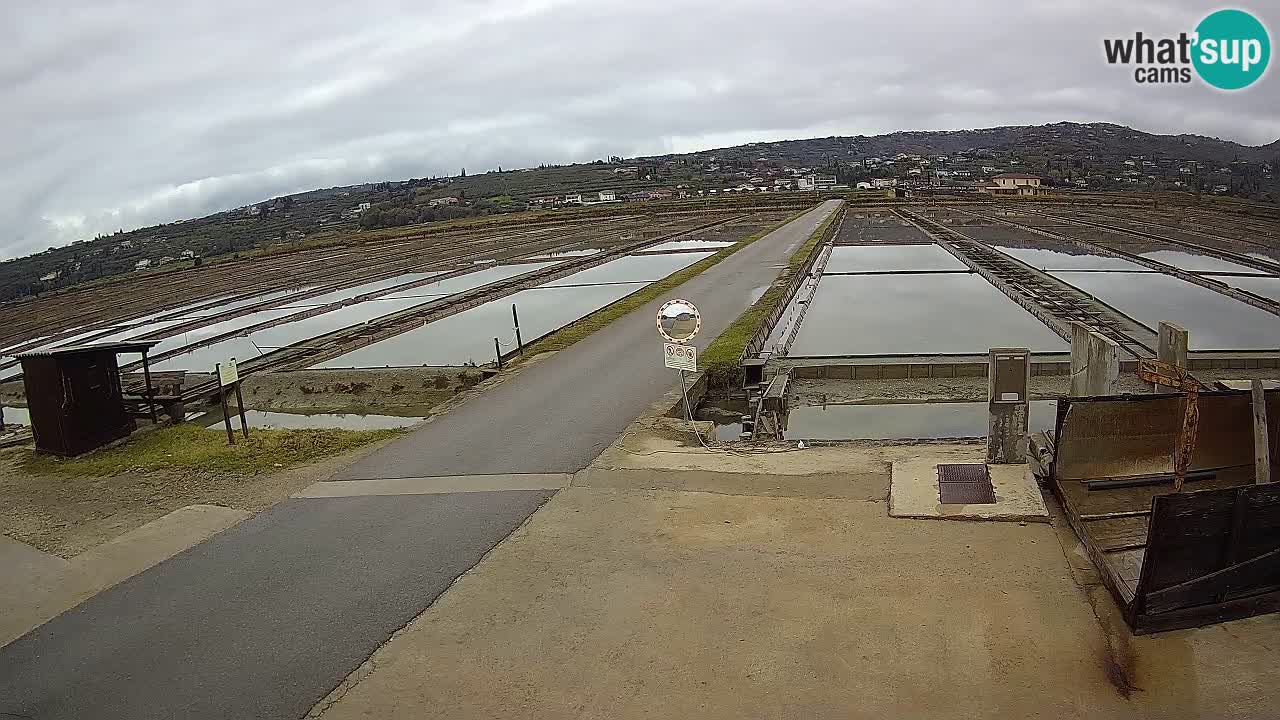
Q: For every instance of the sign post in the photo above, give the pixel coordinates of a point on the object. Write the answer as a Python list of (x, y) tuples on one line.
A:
[(229, 379), (678, 322)]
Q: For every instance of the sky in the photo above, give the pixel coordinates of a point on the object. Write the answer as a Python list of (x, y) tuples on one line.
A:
[(117, 115)]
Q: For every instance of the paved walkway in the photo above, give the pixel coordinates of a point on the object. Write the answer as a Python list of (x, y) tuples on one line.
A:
[(557, 416), (264, 619)]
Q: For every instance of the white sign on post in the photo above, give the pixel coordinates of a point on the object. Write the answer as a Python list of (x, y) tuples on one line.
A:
[(228, 374), (680, 357)]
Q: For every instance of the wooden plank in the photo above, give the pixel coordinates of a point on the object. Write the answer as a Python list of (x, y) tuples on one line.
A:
[(1125, 566), (1207, 614), (1118, 533), (1262, 571), (1261, 447)]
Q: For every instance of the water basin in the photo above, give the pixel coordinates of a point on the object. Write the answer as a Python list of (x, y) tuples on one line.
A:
[(916, 315), (904, 421), (890, 258), (1213, 320)]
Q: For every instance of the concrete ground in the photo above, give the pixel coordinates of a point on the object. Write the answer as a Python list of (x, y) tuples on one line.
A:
[(621, 601)]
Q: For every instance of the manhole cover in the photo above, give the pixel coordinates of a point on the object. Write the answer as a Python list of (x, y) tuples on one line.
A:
[(965, 484)]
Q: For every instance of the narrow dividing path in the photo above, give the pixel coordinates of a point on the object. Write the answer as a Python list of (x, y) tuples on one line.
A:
[(264, 619)]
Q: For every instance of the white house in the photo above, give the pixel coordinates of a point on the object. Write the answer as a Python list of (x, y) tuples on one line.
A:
[(608, 196), (864, 186), (1013, 184), (816, 182), (882, 183), (573, 199), (142, 264)]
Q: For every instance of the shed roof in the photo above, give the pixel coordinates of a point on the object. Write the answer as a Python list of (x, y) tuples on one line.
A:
[(135, 346)]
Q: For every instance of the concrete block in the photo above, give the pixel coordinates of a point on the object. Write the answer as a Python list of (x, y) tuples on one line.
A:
[(1102, 374), (840, 372), (893, 372), (920, 371), (806, 373), (1007, 433), (944, 371), (971, 370), (1171, 347), (913, 493), (866, 372), (1079, 359)]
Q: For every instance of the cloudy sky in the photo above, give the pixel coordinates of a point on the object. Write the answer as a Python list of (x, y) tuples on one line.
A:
[(123, 114)]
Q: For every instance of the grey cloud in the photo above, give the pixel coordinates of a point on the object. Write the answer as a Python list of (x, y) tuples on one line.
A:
[(120, 114)]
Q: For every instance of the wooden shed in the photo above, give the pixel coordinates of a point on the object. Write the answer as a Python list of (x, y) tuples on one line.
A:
[(74, 396)]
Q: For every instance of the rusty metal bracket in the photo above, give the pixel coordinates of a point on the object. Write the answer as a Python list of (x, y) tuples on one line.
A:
[(1163, 373)]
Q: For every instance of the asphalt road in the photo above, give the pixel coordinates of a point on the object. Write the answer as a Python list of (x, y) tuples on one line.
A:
[(264, 619), (558, 415)]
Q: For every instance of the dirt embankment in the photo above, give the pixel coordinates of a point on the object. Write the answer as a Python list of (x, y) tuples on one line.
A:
[(369, 389)]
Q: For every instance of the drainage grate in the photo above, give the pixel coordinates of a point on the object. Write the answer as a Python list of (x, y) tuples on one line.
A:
[(965, 484)]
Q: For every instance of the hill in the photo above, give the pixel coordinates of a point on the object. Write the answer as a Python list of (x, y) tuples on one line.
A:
[(1097, 156)]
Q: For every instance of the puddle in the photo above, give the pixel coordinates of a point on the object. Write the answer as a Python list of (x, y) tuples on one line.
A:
[(467, 338), (904, 421), (1268, 287), (469, 281), (245, 302), (188, 337), (1194, 262), (916, 315), (318, 420), (631, 268), (888, 230), (1044, 259), (16, 416), (140, 330), (687, 245), (882, 258), (263, 341), (1214, 321), (350, 292)]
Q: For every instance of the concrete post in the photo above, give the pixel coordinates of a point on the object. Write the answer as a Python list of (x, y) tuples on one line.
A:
[(1079, 358), (1172, 349), (1102, 376), (1008, 382)]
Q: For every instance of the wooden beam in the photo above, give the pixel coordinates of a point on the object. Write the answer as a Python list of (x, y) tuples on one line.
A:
[(1261, 448)]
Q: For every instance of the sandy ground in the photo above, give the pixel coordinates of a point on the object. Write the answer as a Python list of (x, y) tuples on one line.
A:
[(629, 602)]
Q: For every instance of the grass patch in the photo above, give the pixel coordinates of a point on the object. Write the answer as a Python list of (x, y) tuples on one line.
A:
[(721, 358), (187, 446), (618, 308)]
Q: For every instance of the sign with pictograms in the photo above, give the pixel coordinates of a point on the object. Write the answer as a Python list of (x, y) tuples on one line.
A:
[(680, 357)]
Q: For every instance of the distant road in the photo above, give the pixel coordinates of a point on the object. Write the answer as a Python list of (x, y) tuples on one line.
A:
[(558, 415), (264, 619)]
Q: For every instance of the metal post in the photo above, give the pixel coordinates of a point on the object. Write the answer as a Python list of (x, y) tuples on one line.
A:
[(222, 397), (519, 341), (497, 351), (684, 392), (151, 395), (244, 424), (1261, 446)]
